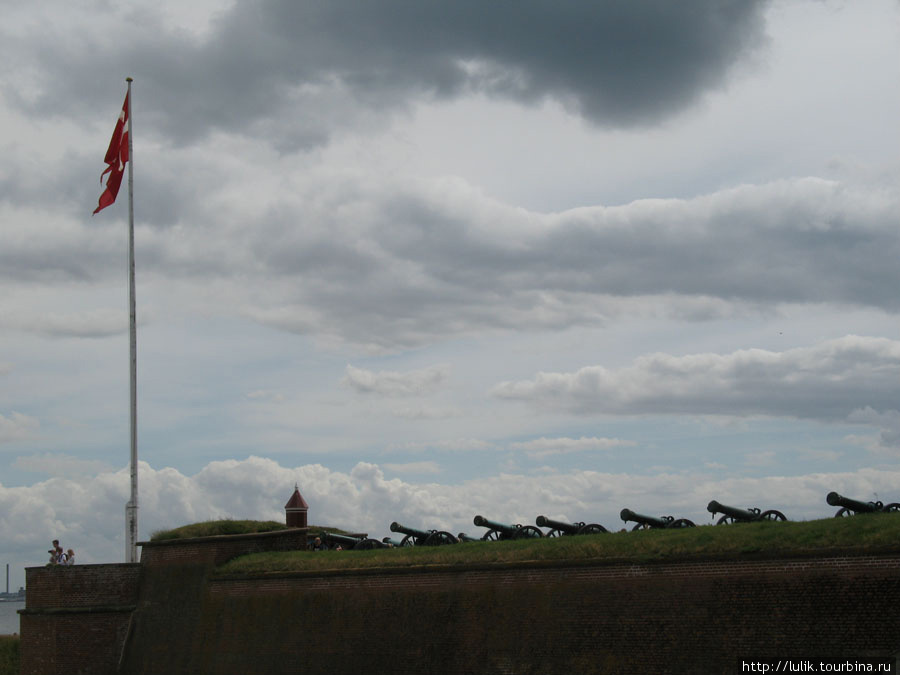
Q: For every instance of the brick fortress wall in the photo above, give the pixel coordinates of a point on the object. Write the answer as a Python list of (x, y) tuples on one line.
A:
[(599, 617), (76, 618), (690, 617)]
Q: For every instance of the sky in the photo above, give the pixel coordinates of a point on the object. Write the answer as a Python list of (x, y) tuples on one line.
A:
[(433, 260)]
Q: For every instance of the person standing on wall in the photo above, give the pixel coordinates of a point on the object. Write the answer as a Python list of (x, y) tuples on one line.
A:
[(57, 555)]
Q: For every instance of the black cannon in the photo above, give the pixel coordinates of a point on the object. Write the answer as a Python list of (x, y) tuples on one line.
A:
[(850, 507), (463, 538), (501, 532), (391, 543), (559, 528), (416, 537), (347, 542), (652, 522), (732, 514)]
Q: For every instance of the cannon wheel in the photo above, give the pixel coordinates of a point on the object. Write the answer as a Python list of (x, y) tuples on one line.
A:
[(681, 522), (843, 512), (408, 540), (641, 526), (522, 532), (591, 528), (439, 538), (555, 533), (492, 535), (772, 514), (725, 520)]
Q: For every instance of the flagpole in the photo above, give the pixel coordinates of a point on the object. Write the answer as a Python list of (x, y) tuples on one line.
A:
[(131, 509)]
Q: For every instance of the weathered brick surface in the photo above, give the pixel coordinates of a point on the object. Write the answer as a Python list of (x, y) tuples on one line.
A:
[(604, 617), (85, 643), (619, 618), (81, 586), (76, 618)]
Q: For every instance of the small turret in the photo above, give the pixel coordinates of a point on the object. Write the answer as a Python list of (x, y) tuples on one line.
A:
[(295, 510)]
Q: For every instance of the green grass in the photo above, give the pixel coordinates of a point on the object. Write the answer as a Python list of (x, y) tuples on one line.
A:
[(860, 533), (212, 528), (9, 655)]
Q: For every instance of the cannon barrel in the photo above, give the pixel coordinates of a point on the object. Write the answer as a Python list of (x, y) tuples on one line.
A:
[(391, 542), (733, 511), (481, 521), (559, 528), (562, 526), (463, 537), (835, 499), (652, 521), (508, 531), (411, 531), (416, 537), (347, 541), (341, 538)]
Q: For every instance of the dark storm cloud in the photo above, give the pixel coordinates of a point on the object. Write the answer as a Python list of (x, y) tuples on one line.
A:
[(620, 62), (295, 71)]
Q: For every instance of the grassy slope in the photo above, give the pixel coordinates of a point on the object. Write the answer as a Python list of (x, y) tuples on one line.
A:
[(211, 528), (9, 655), (861, 533)]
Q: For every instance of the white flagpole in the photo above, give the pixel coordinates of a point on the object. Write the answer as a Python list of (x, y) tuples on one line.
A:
[(131, 509)]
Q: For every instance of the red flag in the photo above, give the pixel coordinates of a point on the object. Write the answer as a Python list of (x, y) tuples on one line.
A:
[(116, 158)]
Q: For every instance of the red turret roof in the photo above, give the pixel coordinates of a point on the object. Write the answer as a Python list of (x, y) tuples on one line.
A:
[(296, 501)]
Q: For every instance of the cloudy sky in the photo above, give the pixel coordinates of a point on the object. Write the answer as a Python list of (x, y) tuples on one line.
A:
[(430, 260)]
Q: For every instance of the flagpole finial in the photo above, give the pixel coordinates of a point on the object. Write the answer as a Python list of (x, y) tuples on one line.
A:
[(129, 79)]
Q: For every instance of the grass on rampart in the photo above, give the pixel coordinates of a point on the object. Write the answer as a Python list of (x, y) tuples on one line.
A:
[(212, 528), (859, 533), (9, 655)]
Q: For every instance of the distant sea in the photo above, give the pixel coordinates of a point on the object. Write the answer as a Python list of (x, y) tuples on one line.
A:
[(9, 620)]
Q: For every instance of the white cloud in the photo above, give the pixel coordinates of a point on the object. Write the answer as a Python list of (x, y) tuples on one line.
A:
[(826, 382), (390, 383), (548, 447), (17, 426), (887, 420)]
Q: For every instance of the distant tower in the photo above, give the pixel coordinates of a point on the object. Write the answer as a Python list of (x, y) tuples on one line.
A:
[(295, 510)]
